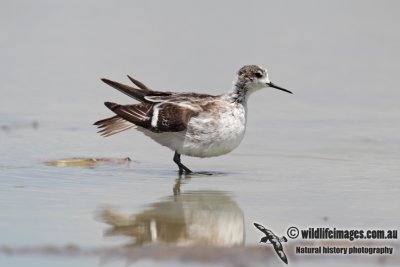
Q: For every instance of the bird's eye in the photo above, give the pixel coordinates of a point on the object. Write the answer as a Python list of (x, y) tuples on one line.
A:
[(259, 74)]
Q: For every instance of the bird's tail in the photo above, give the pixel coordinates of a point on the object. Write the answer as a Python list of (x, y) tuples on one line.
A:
[(113, 125)]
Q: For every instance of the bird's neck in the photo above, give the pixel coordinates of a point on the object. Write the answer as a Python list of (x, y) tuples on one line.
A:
[(239, 93)]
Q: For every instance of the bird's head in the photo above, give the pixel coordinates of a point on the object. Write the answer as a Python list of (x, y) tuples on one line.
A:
[(265, 239), (253, 78)]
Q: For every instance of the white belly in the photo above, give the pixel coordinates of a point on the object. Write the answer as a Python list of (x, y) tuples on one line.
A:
[(207, 135)]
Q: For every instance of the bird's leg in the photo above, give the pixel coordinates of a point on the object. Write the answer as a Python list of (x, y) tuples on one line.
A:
[(177, 160)]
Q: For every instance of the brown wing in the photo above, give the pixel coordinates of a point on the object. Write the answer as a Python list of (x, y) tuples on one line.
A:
[(145, 94), (158, 118), (173, 118), (139, 84), (157, 112), (138, 114), (136, 93)]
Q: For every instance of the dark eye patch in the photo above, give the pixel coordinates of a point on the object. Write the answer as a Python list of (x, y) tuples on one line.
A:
[(258, 74)]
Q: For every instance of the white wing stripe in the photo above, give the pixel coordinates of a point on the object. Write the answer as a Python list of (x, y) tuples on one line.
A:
[(154, 119)]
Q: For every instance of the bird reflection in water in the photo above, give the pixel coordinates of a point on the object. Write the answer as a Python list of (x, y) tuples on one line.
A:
[(192, 218)]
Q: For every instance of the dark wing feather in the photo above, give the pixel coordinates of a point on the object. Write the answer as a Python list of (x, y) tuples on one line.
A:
[(173, 110), (173, 118), (136, 93), (139, 84), (139, 114), (145, 94), (127, 90), (170, 118), (113, 125)]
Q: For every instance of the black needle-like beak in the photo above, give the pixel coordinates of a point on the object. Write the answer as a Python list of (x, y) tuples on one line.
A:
[(270, 84)]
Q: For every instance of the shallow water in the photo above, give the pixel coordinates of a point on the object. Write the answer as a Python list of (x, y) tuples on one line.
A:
[(326, 156)]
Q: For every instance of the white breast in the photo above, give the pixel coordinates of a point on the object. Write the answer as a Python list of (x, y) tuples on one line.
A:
[(216, 132)]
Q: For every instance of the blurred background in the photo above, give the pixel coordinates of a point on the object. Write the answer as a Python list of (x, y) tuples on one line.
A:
[(328, 155)]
